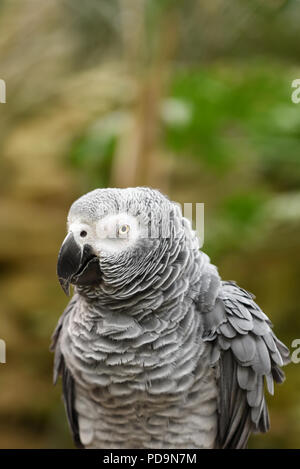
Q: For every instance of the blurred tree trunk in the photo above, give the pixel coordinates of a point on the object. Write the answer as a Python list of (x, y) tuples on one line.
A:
[(139, 160)]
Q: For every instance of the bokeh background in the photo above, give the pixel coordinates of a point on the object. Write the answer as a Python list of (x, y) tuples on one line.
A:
[(190, 97)]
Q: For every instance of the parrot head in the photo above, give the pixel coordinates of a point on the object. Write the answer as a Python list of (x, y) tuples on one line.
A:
[(115, 235)]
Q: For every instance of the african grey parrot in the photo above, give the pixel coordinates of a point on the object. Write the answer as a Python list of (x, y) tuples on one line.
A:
[(154, 349)]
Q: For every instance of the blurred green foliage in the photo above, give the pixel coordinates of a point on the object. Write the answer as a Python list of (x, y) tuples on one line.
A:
[(92, 155), (192, 98)]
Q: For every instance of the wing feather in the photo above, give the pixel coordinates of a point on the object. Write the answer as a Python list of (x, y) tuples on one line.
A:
[(247, 354)]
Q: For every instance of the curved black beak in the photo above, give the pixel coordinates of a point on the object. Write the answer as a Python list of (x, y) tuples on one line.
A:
[(76, 265)]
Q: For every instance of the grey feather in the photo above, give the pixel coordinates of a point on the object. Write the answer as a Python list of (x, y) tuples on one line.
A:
[(252, 356), (60, 369)]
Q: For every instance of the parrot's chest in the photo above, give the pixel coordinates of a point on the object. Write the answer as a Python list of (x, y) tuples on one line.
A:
[(139, 419), (142, 393)]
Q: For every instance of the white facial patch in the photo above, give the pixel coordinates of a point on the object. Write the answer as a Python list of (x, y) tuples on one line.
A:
[(115, 233)]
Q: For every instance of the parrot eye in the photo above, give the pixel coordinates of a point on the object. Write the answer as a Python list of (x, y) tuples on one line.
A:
[(83, 233), (123, 230)]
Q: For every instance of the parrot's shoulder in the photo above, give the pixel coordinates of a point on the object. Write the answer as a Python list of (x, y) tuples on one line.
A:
[(57, 331), (60, 369)]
